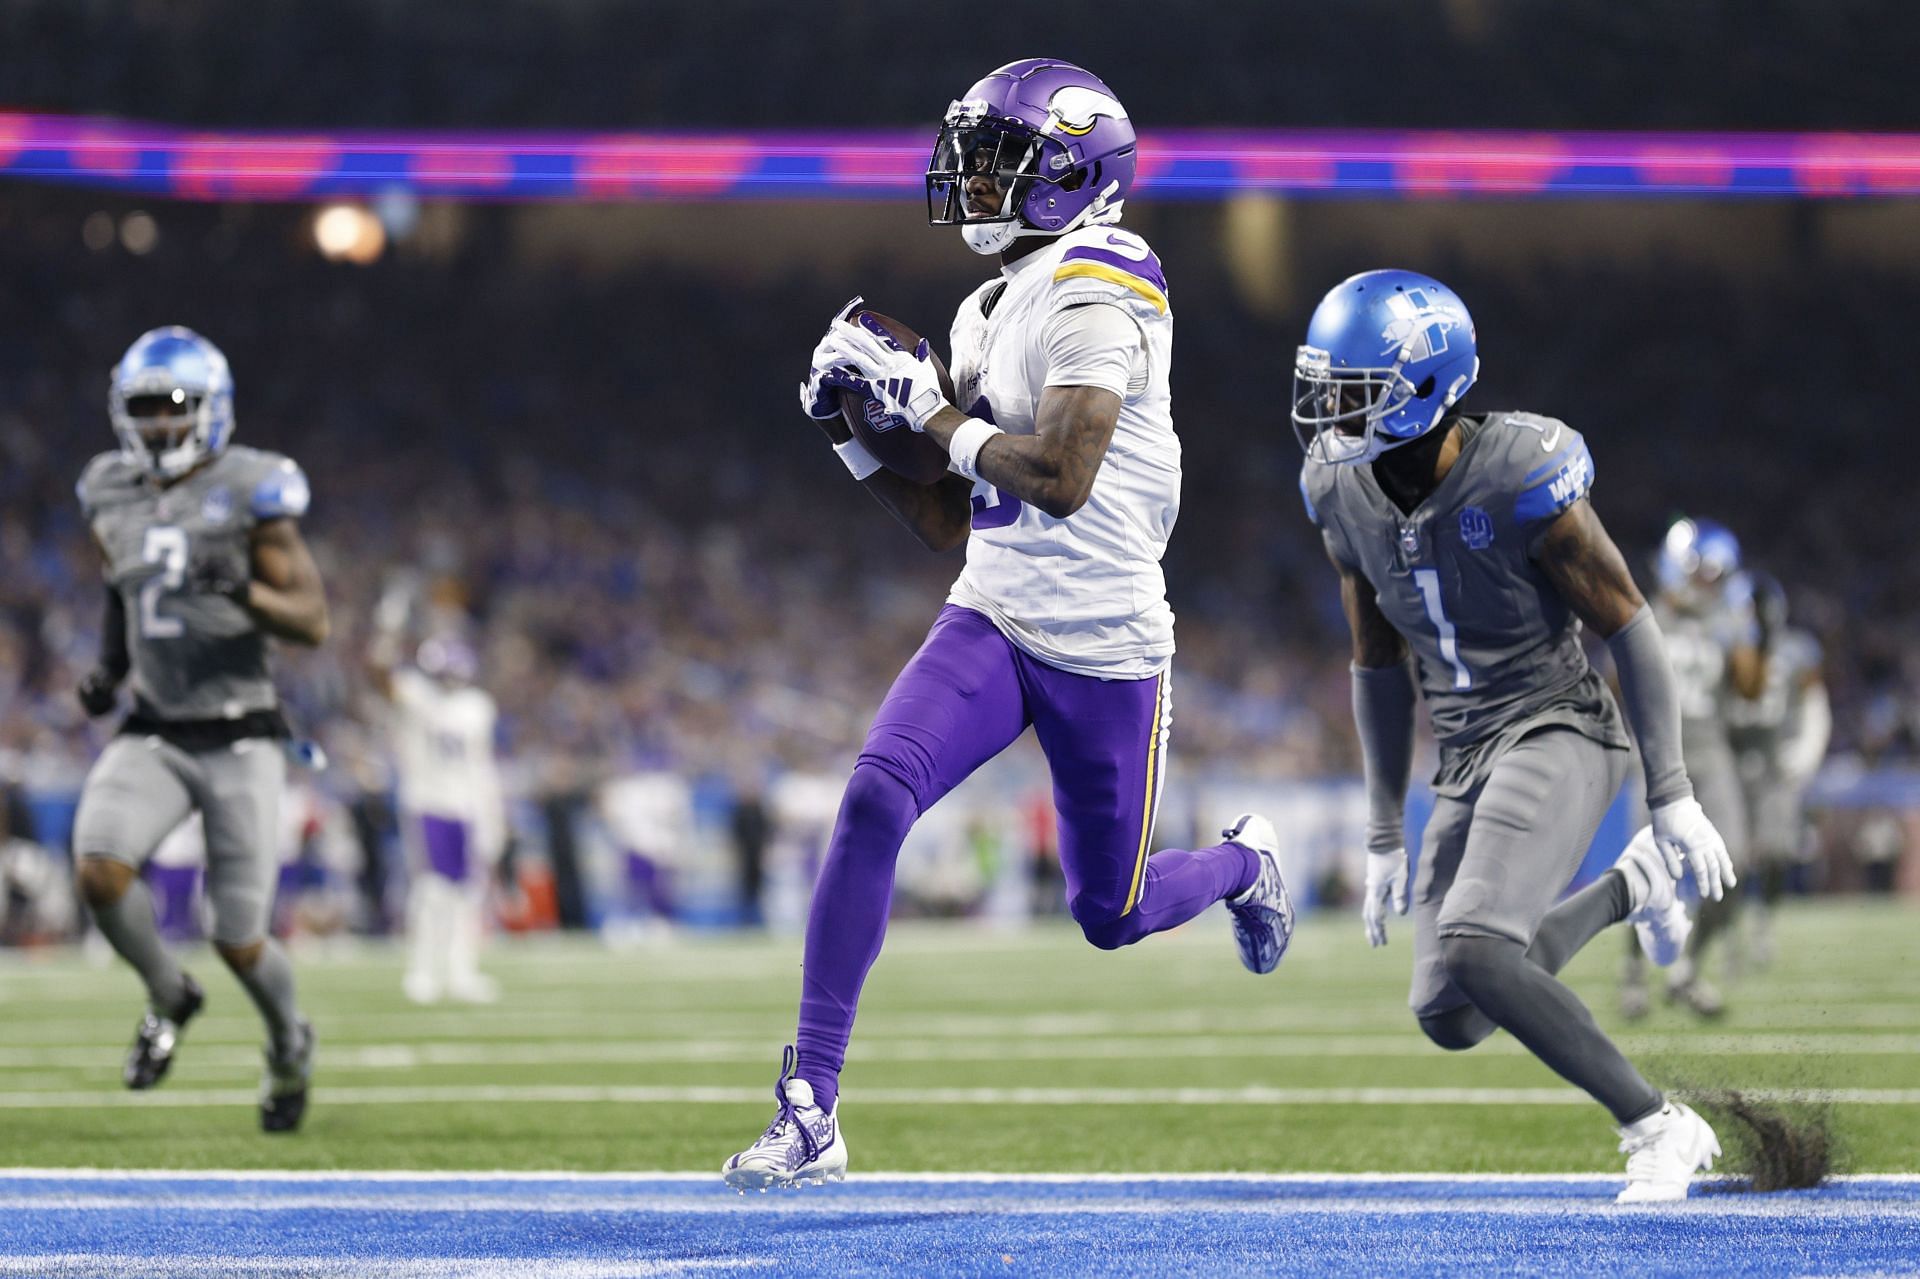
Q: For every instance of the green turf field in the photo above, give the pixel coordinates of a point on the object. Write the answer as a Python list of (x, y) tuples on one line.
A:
[(975, 1050)]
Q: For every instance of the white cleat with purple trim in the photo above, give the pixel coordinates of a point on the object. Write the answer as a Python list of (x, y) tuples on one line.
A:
[(1263, 914), (801, 1147)]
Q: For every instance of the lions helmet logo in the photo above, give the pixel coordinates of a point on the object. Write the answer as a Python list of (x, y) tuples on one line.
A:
[(1419, 328), (1076, 109)]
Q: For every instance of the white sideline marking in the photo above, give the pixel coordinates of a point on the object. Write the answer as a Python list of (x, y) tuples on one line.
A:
[(645, 1095), (217, 1266), (964, 1177), (1402, 1042)]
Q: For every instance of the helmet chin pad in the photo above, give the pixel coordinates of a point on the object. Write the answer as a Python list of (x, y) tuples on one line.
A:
[(994, 236)]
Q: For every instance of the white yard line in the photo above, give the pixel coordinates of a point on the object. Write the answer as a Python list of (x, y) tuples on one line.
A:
[(1402, 1042), (643, 1095), (617, 1024)]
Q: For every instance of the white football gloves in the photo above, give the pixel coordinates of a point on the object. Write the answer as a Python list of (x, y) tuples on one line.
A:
[(869, 362), (816, 397), (1387, 885), (1688, 841)]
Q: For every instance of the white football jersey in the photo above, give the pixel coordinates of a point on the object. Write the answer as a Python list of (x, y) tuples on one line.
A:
[(443, 752), (1086, 593)]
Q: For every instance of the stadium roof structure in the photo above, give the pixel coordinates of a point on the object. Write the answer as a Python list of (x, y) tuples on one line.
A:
[(1193, 165)]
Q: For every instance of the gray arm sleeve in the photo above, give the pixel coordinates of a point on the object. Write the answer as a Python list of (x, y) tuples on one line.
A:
[(1648, 696), (1383, 700)]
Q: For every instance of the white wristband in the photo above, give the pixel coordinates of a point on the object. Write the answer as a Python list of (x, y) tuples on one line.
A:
[(963, 450), (859, 461)]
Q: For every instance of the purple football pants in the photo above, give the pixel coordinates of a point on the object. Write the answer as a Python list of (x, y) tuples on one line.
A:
[(964, 698)]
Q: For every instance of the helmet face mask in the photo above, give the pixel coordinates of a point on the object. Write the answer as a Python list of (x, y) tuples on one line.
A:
[(1337, 413), (171, 402), (1008, 154)]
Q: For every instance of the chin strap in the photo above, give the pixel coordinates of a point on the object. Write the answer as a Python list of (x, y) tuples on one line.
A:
[(994, 237)]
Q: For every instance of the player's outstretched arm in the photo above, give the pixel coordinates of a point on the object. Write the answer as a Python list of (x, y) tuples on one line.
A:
[(1054, 468), (1383, 699), (285, 594), (1584, 565)]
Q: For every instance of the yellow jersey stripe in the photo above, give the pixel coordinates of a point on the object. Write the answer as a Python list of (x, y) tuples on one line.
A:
[(1153, 790), (1112, 275)]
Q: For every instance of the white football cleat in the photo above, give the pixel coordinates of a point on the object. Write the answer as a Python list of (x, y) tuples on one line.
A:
[(801, 1147), (1263, 914), (1663, 1152), (1658, 916)]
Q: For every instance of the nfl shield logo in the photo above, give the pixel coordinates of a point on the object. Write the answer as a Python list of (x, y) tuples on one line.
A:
[(1476, 528), (217, 506), (1409, 540)]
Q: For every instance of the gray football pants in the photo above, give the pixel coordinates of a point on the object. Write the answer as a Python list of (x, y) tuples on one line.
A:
[(143, 787), (1492, 865), (1495, 860)]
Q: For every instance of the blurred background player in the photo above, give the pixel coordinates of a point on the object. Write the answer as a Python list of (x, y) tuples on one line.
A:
[(453, 820), (204, 561), (1469, 540), (1779, 740), (1065, 486), (1705, 609), (649, 815)]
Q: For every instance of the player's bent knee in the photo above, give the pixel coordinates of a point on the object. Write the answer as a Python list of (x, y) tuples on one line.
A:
[(1477, 963), (1457, 1029), (877, 800), (241, 956), (101, 880), (1105, 929)]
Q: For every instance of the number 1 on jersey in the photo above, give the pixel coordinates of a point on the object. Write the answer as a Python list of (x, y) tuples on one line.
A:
[(1428, 580)]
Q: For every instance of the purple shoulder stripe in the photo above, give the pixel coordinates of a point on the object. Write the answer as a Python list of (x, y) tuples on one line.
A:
[(1147, 268)]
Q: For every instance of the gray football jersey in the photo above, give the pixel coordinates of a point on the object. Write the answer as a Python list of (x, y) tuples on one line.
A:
[(1496, 650), (1700, 635), (195, 656), (1762, 723)]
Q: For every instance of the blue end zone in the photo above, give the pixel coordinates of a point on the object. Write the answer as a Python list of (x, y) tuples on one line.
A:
[(559, 1227)]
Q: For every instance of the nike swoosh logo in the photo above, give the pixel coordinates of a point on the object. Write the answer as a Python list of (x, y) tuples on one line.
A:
[(1550, 440)]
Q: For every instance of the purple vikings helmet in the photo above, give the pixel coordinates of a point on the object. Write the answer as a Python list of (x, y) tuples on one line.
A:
[(1387, 354), (1054, 138), (171, 401)]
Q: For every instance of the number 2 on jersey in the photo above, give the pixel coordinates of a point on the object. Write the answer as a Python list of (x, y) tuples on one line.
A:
[(165, 545), (1428, 580)]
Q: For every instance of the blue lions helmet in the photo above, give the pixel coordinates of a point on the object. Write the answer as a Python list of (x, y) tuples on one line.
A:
[(171, 401), (1697, 555), (1387, 354)]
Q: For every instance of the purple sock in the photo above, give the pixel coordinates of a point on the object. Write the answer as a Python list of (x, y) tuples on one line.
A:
[(1179, 884), (848, 920)]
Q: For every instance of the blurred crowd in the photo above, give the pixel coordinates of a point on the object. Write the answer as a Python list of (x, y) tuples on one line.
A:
[(731, 63), (602, 472)]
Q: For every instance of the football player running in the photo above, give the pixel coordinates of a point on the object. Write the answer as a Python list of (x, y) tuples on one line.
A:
[(1469, 540), (453, 812), (1779, 739), (1065, 485), (204, 561), (1705, 607)]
